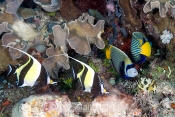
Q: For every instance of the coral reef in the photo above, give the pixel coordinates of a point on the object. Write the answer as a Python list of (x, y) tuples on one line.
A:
[(48, 105), (116, 104), (5, 17), (80, 34), (83, 32), (12, 7), (166, 37), (155, 25), (130, 19), (27, 12), (157, 104), (147, 85), (53, 63), (68, 14), (162, 5), (49, 30), (53, 6), (3, 65)]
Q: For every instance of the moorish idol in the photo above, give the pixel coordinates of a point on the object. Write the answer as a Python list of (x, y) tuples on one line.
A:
[(89, 80), (28, 73), (121, 62), (140, 47)]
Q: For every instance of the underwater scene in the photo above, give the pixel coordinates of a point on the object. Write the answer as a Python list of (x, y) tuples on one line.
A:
[(87, 58)]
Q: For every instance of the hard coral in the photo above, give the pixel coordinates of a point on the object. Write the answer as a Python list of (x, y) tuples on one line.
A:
[(129, 16), (80, 34), (59, 38), (83, 32), (5, 17), (18, 37), (163, 6), (55, 61), (166, 37), (147, 84), (157, 26), (13, 6)]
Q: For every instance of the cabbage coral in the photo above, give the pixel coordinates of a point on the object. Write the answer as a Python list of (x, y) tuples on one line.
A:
[(163, 6)]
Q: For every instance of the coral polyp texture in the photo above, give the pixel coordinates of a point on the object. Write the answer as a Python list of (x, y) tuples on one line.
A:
[(162, 5), (166, 37)]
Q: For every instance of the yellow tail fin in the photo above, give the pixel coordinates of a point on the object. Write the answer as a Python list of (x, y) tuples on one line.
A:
[(108, 53), (146, 49)]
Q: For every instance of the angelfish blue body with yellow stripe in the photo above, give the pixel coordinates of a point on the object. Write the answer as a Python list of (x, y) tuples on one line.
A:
[(28, 73), (121, 62), (140, 47)]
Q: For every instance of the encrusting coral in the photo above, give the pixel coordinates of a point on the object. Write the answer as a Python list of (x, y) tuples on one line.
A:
[(163, 6)]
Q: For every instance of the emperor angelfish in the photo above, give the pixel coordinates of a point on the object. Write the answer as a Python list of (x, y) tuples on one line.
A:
[(140, 47), (89, 80), (28, 73), (121, 62)]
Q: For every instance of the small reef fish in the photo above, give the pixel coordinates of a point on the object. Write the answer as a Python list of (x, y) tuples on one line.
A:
[(121, 62), (140, 47), (30, 72), (89, 80), (97, 15)]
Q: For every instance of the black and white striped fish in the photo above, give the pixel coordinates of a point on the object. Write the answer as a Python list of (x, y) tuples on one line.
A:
[(28, 73)]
